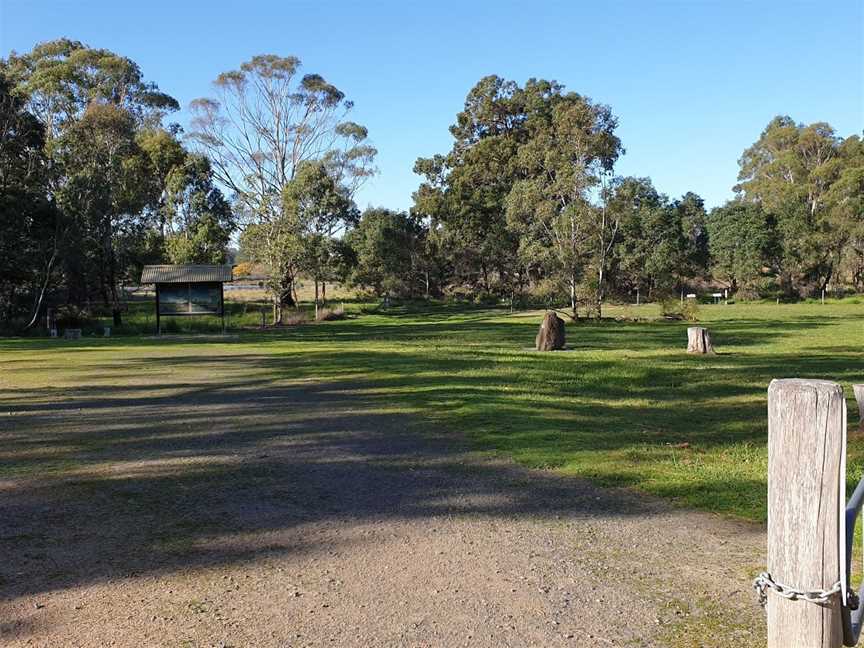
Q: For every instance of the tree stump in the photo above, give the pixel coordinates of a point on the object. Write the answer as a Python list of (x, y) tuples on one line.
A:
[(551, 335), (859, 398), (699, 340)]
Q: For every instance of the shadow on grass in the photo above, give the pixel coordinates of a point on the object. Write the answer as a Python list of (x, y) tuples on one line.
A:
[(220, 445)]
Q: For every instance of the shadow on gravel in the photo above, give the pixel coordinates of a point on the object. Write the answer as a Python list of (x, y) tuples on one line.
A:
[(155, 479)]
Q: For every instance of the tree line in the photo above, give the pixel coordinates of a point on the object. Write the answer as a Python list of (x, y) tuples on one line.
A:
[(526, 201), (95, 182)]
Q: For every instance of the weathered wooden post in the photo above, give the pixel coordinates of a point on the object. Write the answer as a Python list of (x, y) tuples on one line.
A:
[(698, 340), (806, 502), (859, 398)]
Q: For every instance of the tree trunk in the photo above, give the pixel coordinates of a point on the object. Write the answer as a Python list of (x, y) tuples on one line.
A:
[(316, 299), (699, 340), (573, 295), (277, 310), (600, 279), (324, 293)]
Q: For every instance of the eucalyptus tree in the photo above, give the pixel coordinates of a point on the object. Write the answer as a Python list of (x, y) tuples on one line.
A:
[(60, 79), (464, 193), (389, 248), (691, 213), (789, 171), (651, 252), (92, 104), (740, 241), (570, 147), (28, 221), (104, 192), (845, 205), (199, 219), (263, 122), (322, 209)]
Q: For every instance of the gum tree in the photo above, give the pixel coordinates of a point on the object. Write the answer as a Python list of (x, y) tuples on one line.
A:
[(262, 123)]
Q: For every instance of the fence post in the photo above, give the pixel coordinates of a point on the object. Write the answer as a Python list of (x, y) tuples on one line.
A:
[(806, 500), (858, 390)]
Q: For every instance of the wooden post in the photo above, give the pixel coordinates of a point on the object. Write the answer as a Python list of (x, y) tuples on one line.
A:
[(699, 340), (859, 398), (221, 304), (806, 498)]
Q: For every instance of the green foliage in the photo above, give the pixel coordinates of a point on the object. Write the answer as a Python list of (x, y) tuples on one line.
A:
[(102, 125), (28, 222), (390, 253), (741, 238), (672, 308), (790, 172), (291, 160)]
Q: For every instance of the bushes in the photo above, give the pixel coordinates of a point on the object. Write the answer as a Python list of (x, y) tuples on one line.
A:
[(330, 314), (671, 308), (294, 318)]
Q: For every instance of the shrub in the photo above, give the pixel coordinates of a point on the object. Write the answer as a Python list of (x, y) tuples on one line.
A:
[(295, 318), (690, 310), (329, 314), (672, 308), (73, 317)]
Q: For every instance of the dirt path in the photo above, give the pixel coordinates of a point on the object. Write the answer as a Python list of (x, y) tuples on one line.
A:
[(226, 517)]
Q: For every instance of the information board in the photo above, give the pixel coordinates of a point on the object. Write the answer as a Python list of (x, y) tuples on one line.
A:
[(190, 299)]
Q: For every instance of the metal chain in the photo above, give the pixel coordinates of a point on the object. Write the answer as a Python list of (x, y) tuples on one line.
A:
[(764, 582)]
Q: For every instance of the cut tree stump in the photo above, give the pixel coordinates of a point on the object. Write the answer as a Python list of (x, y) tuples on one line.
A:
[(551, 335), (698, 340)]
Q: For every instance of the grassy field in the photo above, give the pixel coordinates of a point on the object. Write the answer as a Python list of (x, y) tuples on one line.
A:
[(625, 407)]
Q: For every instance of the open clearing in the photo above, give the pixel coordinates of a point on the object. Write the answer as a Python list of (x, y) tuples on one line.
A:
[(350, 484)]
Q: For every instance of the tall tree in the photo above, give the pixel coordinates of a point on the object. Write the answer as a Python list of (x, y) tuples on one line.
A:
[(788, 172), (92, 104), (650, 245), (845, 205), (322, 209), (199, 219), (28, 221), (105, 191), (264, 121), (389, 248), (464, 195), (740, 241), (690, 209)]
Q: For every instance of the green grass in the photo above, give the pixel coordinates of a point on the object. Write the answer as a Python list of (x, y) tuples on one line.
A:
[(626, 407)]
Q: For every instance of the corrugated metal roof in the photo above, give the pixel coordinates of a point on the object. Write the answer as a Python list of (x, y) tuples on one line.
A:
[(185, 273)]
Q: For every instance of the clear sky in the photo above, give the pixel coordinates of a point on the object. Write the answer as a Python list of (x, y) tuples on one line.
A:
[(693, 83)]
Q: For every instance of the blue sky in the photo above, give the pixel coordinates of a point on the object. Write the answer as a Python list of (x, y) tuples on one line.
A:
[(693, 83)]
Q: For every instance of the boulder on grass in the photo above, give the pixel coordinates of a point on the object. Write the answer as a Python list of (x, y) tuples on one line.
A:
[(551, 335)]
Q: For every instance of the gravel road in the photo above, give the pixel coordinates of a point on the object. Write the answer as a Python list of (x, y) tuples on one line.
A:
[(305, 515)]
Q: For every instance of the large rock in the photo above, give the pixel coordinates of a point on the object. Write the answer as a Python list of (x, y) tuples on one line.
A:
[(551, 335)]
